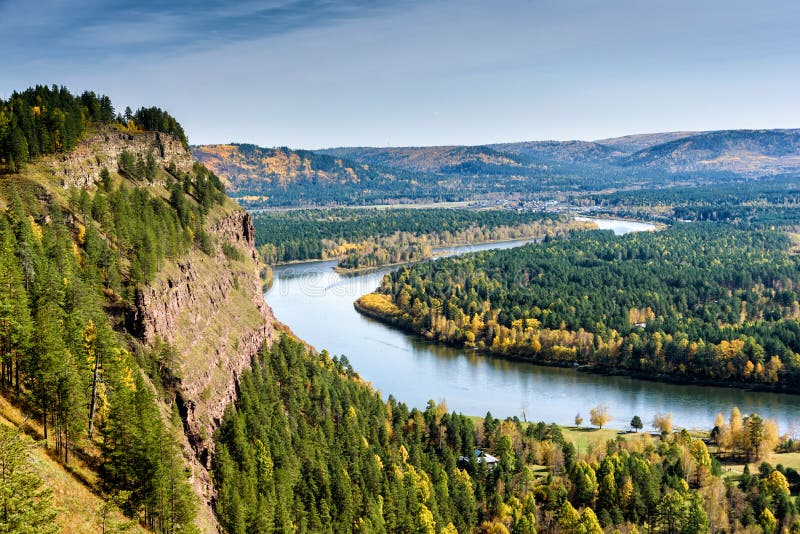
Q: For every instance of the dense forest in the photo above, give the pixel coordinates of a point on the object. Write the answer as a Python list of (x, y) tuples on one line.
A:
[(768, 202), (70, 270), (310, 448), (697, 301), (127, 231), (62, 358), (372, 237), (45, 120)]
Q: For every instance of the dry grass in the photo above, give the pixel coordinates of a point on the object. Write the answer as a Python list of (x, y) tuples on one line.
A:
[(788, 459), (794, 239), (588, 439), (77, 503)]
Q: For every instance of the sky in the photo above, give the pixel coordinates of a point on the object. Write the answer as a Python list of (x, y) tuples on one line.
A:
[(323, 73)]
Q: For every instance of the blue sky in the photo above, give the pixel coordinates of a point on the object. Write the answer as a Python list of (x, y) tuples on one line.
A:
[(319, 73)]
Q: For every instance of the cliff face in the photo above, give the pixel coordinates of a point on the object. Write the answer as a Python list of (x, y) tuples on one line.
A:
[(207, 305), (82, 166), (211, 309)]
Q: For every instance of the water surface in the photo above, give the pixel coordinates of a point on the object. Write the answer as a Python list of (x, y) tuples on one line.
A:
[(317, 304)]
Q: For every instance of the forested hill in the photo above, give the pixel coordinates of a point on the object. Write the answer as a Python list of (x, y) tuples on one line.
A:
[(262, 177), (749, 152), (281, 176), (746, 152), (123, 266), (45, 120)]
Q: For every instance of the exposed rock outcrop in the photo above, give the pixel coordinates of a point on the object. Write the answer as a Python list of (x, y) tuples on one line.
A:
[(211, 309), (81, 167)]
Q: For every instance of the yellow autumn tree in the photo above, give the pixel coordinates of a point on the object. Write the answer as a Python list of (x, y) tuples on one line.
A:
[(599, 416)]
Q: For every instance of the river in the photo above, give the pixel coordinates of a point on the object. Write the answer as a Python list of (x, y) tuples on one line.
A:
[(317, 304)]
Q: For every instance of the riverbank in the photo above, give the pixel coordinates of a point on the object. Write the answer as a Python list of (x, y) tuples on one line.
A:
[(318, 304), (422, 205), (438, 252), (345, 271), (381, 308), (442, 249)]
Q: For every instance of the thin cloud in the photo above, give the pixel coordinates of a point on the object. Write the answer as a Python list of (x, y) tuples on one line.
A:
[(105, 28)]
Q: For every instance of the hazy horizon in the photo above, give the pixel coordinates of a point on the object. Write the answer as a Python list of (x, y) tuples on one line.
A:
[(317, 74)]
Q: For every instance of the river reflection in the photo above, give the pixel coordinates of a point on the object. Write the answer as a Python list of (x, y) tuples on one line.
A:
[(317, 304)]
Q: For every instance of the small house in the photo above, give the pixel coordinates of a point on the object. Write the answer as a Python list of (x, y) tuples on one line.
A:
[(481, 457)]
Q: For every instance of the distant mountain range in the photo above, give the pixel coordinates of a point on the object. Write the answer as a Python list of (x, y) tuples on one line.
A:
[(281, 176)]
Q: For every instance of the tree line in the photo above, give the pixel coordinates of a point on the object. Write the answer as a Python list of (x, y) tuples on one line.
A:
[(370, 237), (765, 203), (310, 447), (49, 119), (698, 301)]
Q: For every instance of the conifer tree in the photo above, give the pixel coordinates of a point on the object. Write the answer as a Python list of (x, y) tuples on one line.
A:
[(26, 504)]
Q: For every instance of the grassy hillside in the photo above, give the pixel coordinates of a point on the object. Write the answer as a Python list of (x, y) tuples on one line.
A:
[(85, 230), (79, 507)]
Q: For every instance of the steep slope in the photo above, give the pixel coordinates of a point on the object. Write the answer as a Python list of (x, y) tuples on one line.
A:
[(124, 248), (82, 166), (211, 310), (80, 509)]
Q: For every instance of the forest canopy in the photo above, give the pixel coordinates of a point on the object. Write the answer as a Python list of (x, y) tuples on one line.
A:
[(700, 301), (357, 234), (49, 119), (310, 447)]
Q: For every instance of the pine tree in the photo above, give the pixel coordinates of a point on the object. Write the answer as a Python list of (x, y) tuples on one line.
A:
[(15, 319), (26, 505)]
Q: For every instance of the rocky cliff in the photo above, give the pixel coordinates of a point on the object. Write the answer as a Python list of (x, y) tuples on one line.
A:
[(211, 309), (81, 167)]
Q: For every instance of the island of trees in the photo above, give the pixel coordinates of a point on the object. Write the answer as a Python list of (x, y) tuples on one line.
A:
[(697, 301)]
